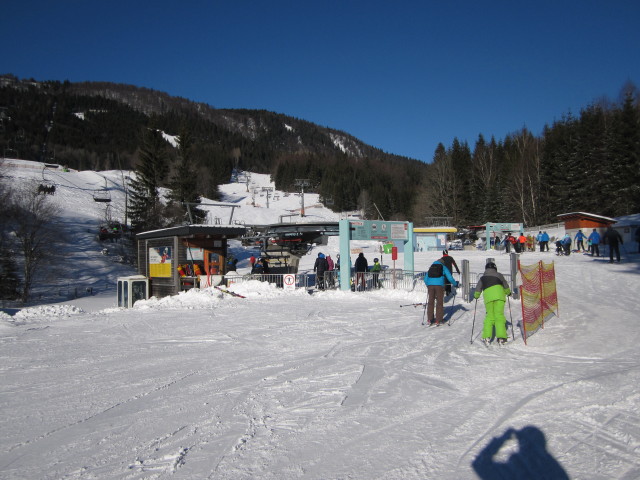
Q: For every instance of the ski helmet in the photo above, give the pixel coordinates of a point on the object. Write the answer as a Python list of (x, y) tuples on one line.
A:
[(491, 265), (445, 252), (375, 259)]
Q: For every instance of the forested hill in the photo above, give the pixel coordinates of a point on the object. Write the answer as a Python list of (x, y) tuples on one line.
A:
[(98, 125), (587, 162)]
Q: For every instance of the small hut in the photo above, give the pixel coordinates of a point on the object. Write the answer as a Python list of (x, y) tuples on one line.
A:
[(427, 239), (179, 258), (587, 222)]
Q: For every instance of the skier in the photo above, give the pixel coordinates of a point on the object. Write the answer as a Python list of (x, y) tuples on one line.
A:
[(612, 238), (258, 268), (579, 238), (232, 263), (435, 279), (545, 242), (450, 263), (594, 238), (494, 289), (566, 244), (539, 240), (376, 269), (522, 242), (361, 266), (320, 267), (329, 275)]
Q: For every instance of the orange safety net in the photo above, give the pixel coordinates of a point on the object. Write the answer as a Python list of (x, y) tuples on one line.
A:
[(539, 296)]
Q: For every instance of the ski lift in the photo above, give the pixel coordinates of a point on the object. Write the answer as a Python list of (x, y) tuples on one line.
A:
[(102, 195), (46, 186)]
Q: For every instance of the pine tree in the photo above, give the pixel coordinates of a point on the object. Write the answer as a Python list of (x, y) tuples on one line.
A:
[(183, 184), (145, 208), (624, 160)]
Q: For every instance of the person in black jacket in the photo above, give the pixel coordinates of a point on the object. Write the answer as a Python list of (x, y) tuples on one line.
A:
[(321, 266), (362, 266), (450, 263), (611, 237)]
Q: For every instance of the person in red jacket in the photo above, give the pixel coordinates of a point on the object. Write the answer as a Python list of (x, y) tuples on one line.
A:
[(522, 241)]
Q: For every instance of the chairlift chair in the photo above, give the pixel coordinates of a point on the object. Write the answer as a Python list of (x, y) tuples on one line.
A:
[(103, 195)]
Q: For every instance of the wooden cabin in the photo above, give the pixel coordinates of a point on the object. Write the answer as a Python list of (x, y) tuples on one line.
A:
[(587, 222)]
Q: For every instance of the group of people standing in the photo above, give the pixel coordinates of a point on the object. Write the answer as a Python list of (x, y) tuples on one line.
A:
[(611, 237), (519, 243), (324, 267)]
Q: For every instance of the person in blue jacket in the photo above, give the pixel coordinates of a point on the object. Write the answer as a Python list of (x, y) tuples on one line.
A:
[(594, 238), (566, 244), (545, 242), (435, 282), (539, 240), (579, 238)]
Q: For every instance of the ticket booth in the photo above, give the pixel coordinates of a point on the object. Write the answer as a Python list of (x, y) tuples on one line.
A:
[(180, 258)]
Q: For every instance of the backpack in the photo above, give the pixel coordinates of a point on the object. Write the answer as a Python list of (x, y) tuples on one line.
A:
[(435, 270)]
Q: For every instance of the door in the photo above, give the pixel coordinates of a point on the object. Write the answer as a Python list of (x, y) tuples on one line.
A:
[(214, 263)]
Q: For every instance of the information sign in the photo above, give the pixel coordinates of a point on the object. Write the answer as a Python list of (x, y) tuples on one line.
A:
[(378, 230)]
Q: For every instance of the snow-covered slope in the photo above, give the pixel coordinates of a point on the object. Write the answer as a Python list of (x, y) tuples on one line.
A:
[(334, 385), (96, 265)]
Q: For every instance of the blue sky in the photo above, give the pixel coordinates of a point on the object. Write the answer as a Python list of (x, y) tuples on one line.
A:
[(402, 76)]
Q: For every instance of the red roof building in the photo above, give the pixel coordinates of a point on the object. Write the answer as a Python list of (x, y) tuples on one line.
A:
[(580, 220)]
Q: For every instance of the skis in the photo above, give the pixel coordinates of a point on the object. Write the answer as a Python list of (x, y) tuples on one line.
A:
[(489, 345), (233, 294)]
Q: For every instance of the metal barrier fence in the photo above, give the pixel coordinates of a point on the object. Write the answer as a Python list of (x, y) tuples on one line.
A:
[(367, 281)]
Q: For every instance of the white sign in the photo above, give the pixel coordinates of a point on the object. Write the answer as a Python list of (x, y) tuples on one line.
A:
[(289, 282)]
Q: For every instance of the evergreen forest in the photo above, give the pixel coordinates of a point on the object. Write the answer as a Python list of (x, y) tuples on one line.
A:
[(588, 162)]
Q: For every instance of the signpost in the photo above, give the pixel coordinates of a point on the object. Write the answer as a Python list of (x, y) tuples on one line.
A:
[(491, 229), (289, 281), (373, 230)]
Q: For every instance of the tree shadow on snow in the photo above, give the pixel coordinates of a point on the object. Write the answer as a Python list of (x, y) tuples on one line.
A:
[(531, 460)]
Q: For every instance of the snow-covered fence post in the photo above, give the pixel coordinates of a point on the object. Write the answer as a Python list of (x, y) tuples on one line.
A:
[(515, 292), (464, 280)]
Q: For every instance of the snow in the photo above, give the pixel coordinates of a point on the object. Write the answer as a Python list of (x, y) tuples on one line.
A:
[(333, 385)]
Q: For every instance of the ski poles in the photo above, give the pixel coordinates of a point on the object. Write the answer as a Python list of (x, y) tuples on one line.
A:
[(453, 308), (424, 312), (412, 305), (473, 325), (513, 335)]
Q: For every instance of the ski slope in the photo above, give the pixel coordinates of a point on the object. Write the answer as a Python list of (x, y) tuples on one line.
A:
[(334, 385)]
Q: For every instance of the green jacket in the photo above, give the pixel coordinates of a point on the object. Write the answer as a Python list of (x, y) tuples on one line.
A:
[(376, 267), (493, 286)]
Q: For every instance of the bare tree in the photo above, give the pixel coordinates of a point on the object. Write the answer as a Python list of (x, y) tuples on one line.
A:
[(9, 281), (32, 222), (526, 175)]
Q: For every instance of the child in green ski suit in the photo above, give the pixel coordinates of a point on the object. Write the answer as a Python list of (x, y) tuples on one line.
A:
[(494, 289), (376, 269)]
